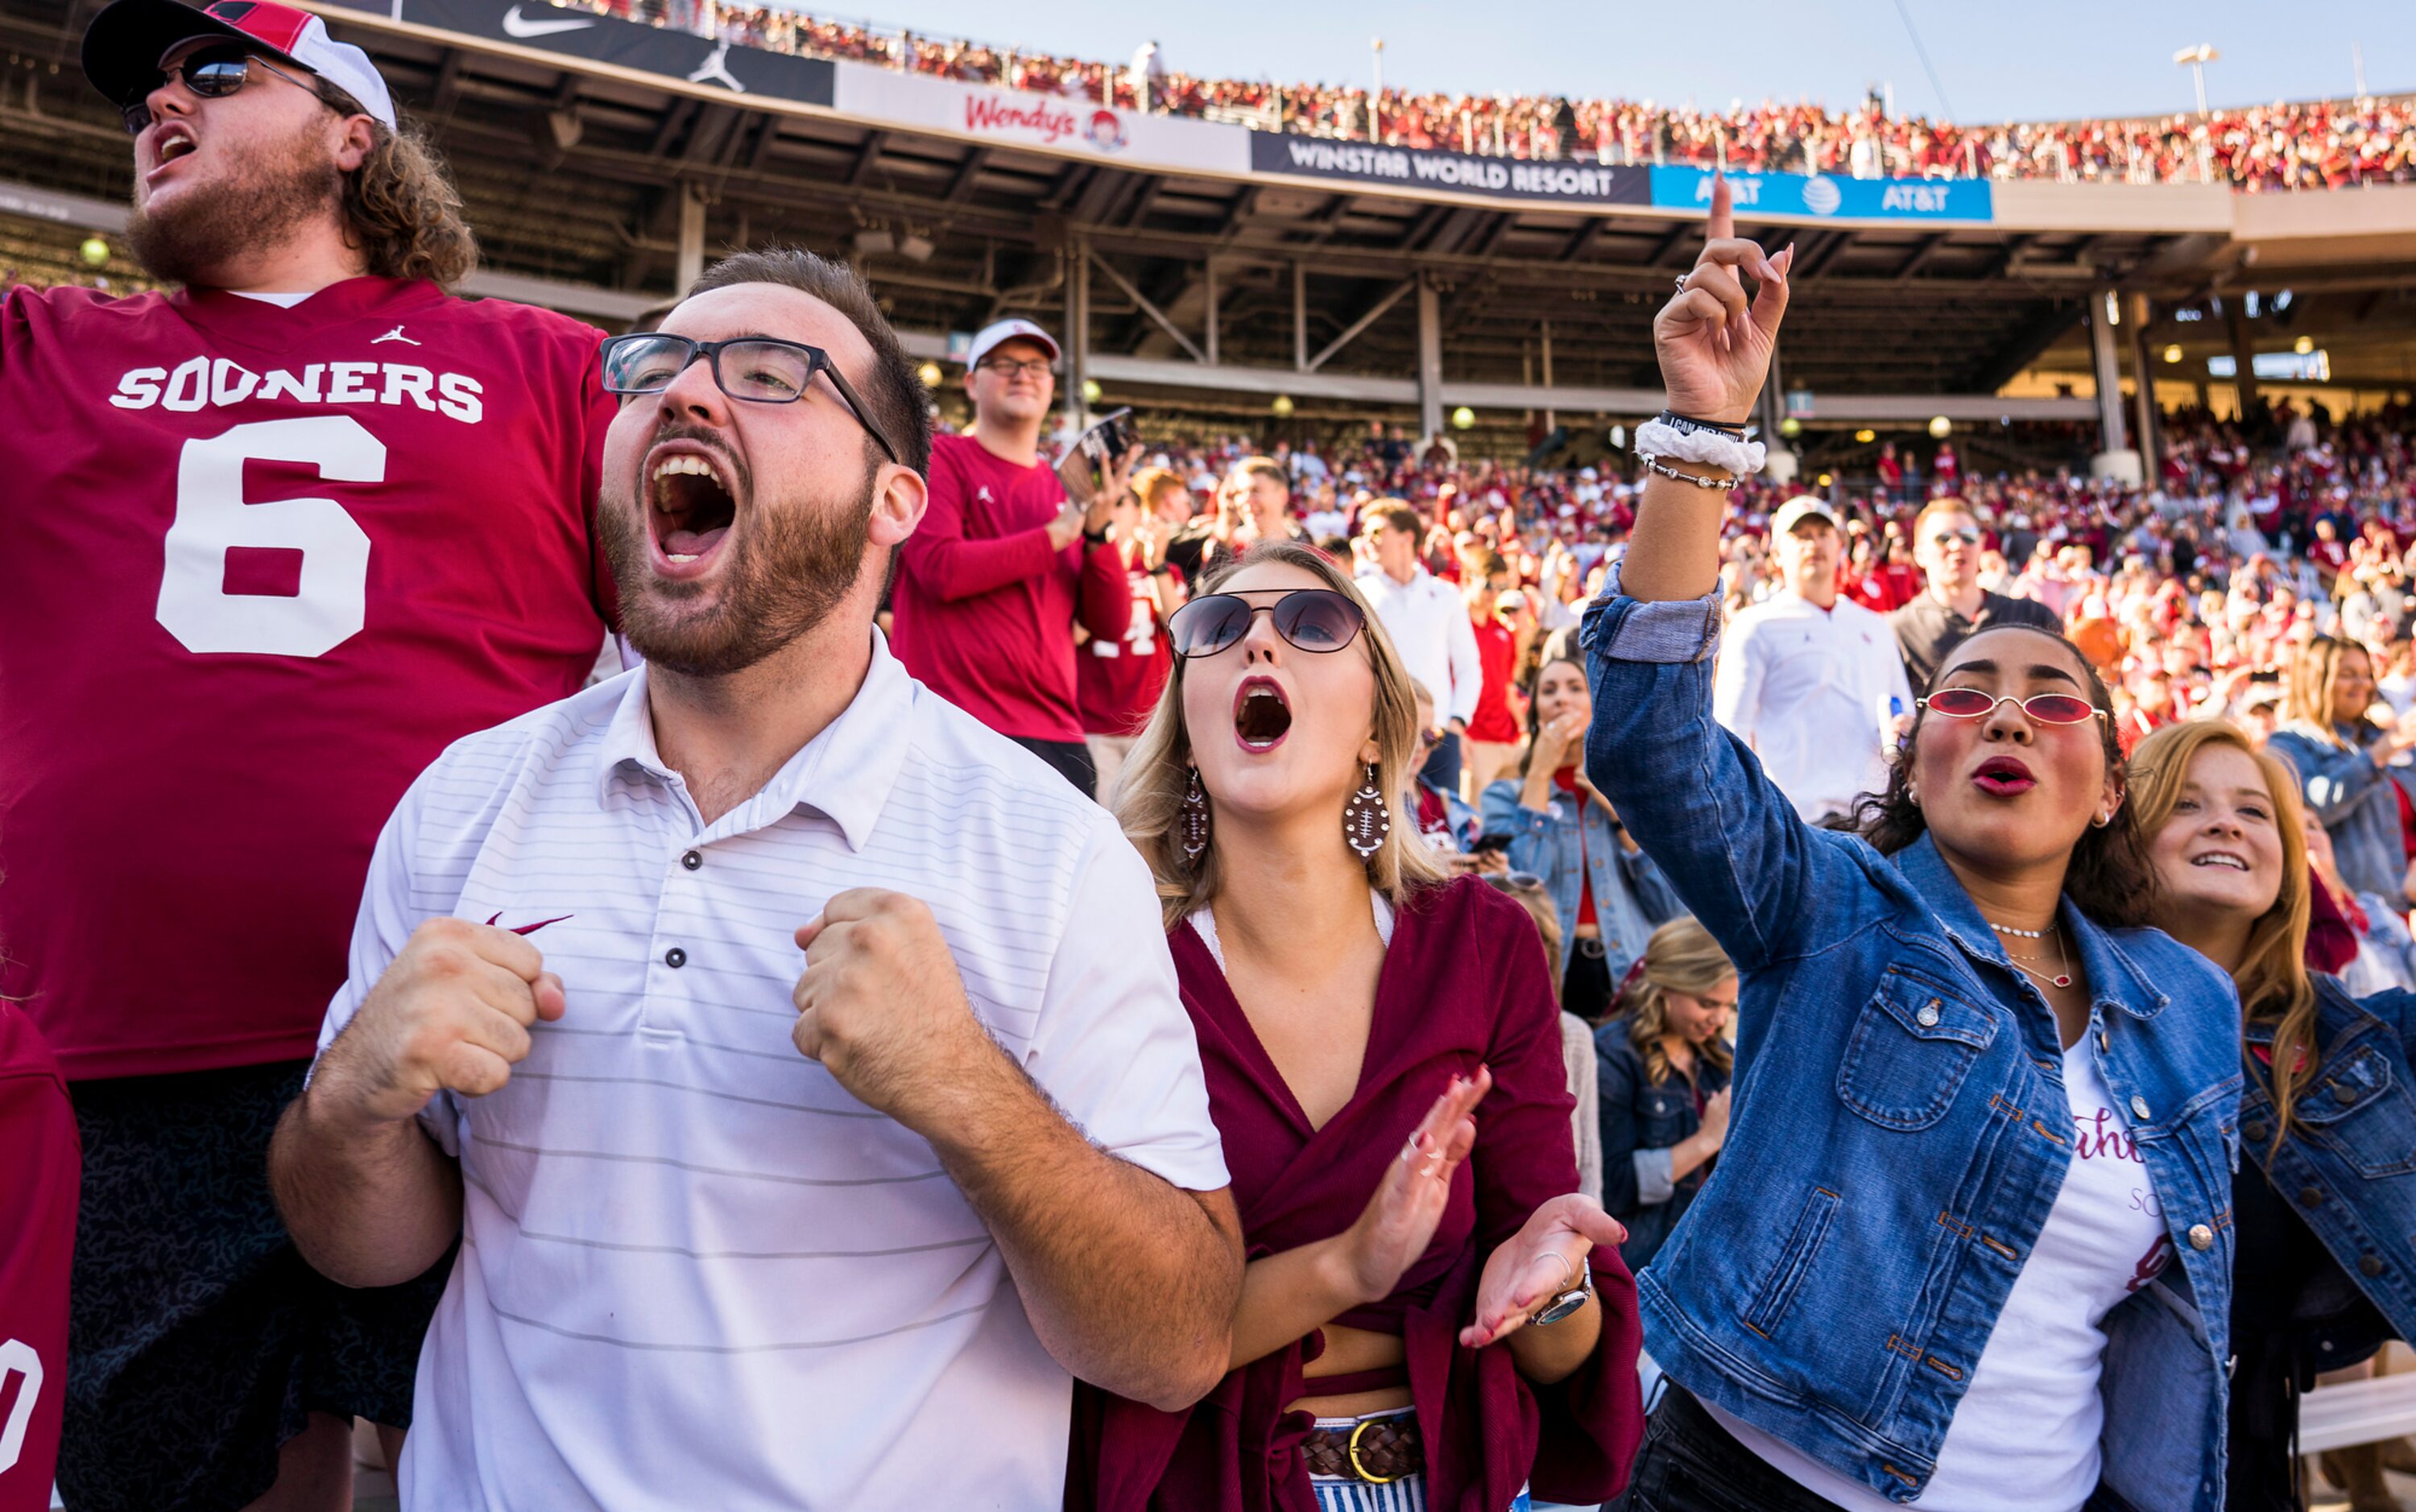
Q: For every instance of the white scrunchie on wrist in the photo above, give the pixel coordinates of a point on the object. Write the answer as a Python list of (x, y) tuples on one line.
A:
[(1660, 439)]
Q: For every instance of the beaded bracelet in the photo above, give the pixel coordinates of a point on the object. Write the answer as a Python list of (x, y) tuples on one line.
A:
[(1652, 464)]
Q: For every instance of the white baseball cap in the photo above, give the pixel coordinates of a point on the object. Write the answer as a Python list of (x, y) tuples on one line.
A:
[(993, 335), (1797, 510), (122, 46)]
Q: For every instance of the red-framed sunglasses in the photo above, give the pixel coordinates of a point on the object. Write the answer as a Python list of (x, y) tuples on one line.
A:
[(2042, 707)]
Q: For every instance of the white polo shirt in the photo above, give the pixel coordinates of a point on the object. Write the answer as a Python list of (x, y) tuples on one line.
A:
[(1808, 689), (695, 1272)]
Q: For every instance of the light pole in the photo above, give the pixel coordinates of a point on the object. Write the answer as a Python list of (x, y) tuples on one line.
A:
[(1376, 97), (2197, 58)]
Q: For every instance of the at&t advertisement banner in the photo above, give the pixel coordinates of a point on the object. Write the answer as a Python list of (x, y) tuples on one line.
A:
[(1825, 197)]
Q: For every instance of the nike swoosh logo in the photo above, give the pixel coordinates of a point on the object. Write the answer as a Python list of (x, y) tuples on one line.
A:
[(515, 24), (531, 929)]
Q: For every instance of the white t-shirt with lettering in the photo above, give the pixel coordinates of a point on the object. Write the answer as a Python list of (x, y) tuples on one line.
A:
[(2024, 1437)]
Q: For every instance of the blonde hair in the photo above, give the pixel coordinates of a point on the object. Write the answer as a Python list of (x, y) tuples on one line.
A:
[(2312, 673), (2273, 974), (1157, 773), (1682, 957)]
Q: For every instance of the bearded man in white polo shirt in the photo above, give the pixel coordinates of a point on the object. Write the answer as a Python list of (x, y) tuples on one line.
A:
[(743, 1229), (1810, 679)]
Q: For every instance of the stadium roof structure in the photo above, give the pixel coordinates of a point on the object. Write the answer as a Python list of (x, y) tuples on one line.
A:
[(601, 161)]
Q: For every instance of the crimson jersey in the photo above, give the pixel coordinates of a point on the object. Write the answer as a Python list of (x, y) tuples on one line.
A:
[(37, 1212), (258, 567)]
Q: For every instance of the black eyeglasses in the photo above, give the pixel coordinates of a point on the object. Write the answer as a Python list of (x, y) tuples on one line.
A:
[(1309, 618), (759, 369), (1010, 368), (211, 72)]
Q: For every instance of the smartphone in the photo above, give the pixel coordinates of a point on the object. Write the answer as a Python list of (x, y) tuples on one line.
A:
[(1486, 843), (1094, 454)]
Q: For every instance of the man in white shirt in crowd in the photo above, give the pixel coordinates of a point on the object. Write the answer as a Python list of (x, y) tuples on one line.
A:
[(1429, 627), (1811, 679), (745, 1226)]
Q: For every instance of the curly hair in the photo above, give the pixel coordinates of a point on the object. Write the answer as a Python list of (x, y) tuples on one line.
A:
[(2111, 878), (1682, 957), (400, 205)]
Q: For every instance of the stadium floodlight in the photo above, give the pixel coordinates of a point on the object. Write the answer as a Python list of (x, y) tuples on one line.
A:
[(1940, 427), (1866, 435), (2172, 354), (1463, 418), (2196, 59), (2303, 345), (930, 374), (1282, 407)]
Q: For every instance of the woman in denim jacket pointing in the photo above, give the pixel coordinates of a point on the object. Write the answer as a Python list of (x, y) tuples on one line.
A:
[(1927, 1271)]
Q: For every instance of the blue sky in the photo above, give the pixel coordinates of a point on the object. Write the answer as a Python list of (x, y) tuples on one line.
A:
[(2039, 59)]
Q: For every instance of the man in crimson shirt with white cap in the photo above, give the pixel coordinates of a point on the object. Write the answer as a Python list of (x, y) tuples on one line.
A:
[(270, 544), (991, 585)]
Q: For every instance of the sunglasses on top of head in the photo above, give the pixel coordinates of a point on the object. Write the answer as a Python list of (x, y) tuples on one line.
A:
[(211, 72), (1315, 619), (2043, 708)]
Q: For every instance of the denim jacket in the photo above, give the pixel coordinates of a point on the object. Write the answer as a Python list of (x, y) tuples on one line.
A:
[(1900, 1131), (1642, 1121), (2348, 1168), (2354, 801), (1630, 895)]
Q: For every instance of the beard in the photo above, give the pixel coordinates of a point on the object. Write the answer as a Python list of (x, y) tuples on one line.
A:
[(787, 564), (256, 202)]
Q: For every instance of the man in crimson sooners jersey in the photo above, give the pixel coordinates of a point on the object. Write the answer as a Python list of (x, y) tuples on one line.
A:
[(37, 1213), (271, 542)]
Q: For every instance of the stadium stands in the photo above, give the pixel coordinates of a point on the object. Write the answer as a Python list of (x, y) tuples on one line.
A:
[(2312, 144)]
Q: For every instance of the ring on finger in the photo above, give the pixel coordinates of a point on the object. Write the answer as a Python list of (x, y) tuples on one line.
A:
[(1680, 283)]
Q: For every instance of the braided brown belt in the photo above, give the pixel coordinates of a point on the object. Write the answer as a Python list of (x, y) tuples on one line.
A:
[(1377, 1450)]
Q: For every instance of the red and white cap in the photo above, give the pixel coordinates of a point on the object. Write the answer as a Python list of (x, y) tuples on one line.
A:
[(122, 46), (990, 336)]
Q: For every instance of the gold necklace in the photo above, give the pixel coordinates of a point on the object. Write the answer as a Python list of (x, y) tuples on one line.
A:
[(2060, 979)]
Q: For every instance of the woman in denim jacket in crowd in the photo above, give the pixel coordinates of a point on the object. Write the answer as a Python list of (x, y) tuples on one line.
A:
[(1661, 1080), (2344, 762), (1918, 1277), (2327, 1199), (1609, 894)]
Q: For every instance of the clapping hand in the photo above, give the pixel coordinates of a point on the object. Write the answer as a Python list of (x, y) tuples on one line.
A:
[(1714, 347), (1399, 1220)]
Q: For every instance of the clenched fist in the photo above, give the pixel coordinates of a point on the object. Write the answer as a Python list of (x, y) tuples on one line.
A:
[(451, 1014), (882, 1006)]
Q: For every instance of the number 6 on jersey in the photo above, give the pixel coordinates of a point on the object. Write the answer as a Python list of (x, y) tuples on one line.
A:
[(331, 604)]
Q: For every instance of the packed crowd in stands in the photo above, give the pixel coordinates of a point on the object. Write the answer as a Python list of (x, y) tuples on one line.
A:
[(1049, 968), (2301, 146)]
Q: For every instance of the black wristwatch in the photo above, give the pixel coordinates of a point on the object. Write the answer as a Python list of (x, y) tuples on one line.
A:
[(1097, 537)]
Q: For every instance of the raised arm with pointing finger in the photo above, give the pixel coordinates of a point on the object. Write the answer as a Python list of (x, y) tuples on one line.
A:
[(1903, 1283)]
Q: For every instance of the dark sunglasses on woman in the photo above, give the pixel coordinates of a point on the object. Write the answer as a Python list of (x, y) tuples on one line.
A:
[(1309, 618)]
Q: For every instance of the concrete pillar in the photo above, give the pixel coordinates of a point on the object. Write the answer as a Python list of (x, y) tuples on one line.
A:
[(1209, 274), (1299, 318), (1552, 417), (1078, 331), (2243, 352), (690, 264), (2135, 312), (1429, 363), (2115, 459)]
